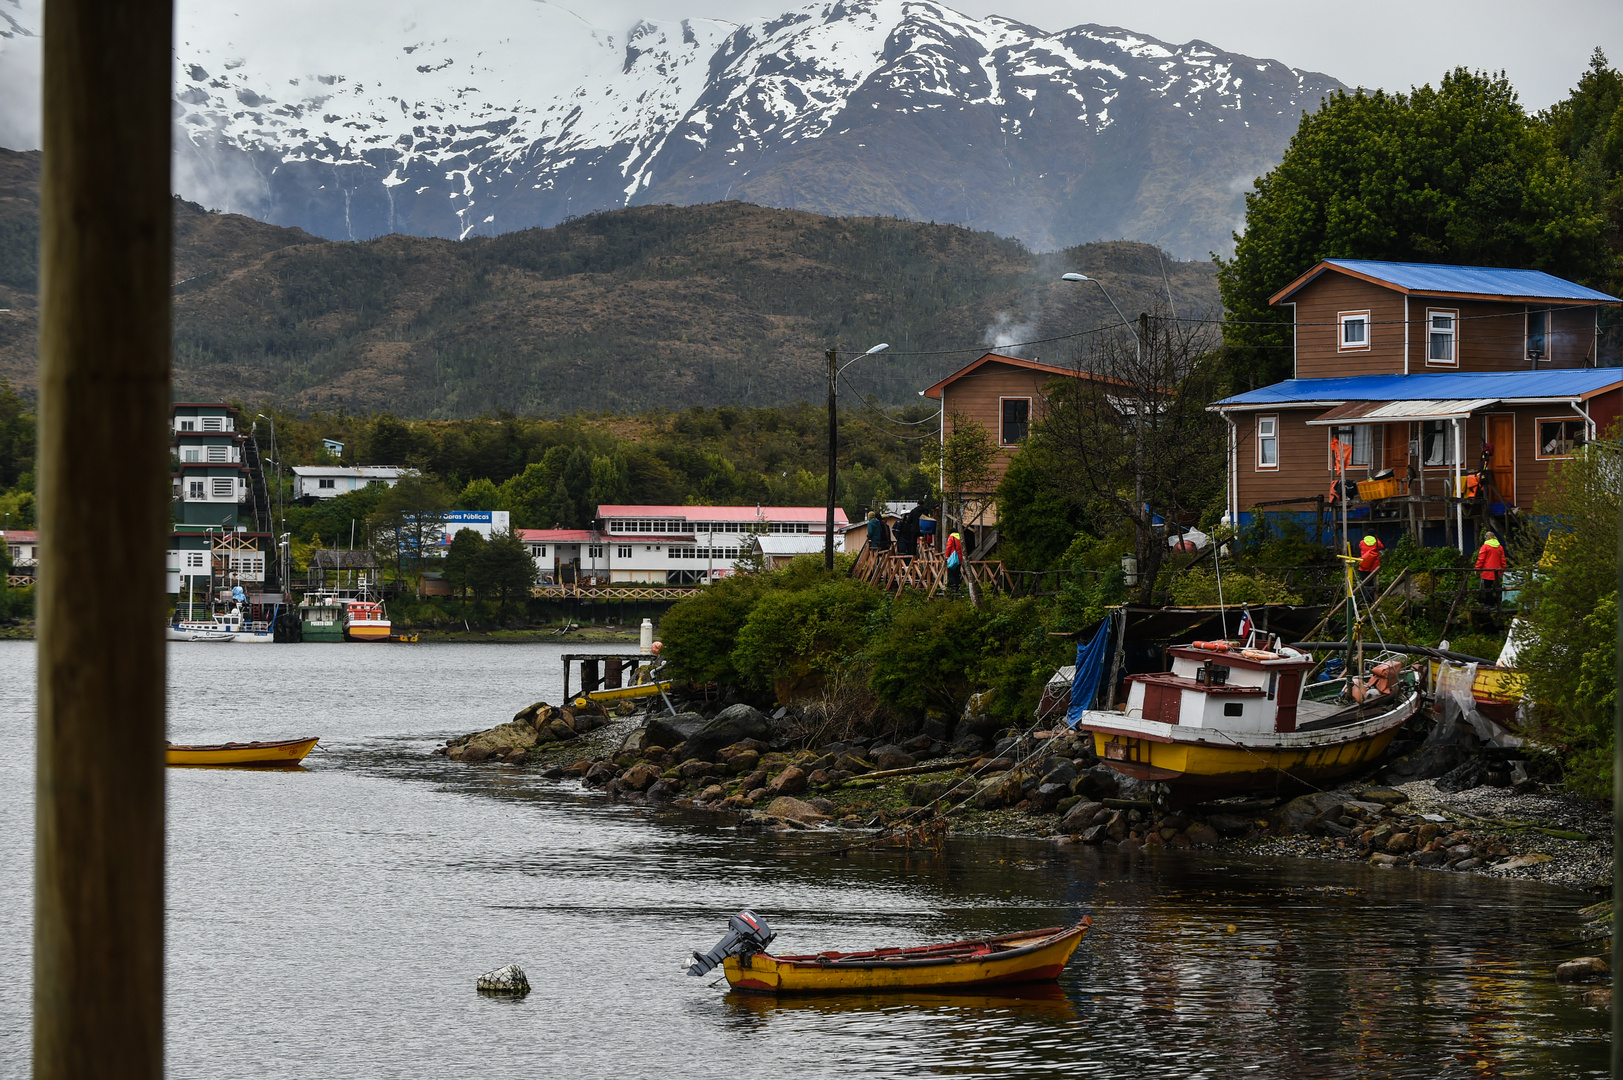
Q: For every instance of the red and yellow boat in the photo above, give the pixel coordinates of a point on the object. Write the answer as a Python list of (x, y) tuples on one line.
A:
[(285, 752), (1035, 956)]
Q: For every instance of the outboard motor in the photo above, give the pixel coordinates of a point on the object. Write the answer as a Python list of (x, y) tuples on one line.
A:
[(747, 932)]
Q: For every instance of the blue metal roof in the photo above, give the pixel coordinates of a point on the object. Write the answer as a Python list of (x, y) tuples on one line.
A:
[(1559, 383), (1477, 280)]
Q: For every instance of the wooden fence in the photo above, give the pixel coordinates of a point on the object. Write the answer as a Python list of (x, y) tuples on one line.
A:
[(926, 572)]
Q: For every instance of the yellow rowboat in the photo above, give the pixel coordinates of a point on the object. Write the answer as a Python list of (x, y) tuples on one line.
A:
[(286, 752), (1037, 956), (630, 693)]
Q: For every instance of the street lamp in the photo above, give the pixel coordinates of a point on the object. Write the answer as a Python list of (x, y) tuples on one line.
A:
[(833, 443)]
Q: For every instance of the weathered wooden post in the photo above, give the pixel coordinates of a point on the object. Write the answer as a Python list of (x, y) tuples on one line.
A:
[(611, 674), (589, 679), (104, 338)]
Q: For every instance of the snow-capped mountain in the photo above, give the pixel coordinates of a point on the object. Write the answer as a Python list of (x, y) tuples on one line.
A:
[(352, 120)]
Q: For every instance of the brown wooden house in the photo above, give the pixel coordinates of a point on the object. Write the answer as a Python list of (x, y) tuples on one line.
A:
[(1004, 395), (1432, 376)]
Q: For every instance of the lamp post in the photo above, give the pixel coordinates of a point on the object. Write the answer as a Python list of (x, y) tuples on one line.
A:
[(833, 443), (1139, 333)]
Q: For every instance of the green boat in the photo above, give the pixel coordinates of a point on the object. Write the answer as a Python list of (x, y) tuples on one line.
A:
[(321, 617)]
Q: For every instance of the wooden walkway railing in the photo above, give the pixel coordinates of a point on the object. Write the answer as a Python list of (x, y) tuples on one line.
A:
[(926, 571)]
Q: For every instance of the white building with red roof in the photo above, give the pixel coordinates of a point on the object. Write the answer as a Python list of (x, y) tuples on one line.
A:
[(669, 545)]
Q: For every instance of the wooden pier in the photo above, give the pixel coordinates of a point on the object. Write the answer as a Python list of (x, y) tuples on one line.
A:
[(602, 671)]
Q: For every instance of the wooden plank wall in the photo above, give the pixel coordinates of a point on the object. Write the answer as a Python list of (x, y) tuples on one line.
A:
[(977, 396)]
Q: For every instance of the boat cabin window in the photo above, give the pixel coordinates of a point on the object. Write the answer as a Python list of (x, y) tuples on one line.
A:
[(1233, 708), (1212, 674)]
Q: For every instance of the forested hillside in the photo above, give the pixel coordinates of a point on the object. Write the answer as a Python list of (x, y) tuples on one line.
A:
[(655, 306)]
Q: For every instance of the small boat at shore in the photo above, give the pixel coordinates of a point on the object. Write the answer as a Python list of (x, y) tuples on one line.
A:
[(1034, 956), (282, 753), (629, 693), (1232, 717)]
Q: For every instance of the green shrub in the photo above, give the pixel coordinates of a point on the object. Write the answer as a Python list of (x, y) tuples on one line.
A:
[(803, 634), (1199, 587), (926, 654), (699, 631)]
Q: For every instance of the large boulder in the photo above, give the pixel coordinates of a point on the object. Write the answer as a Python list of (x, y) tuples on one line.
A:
[(1296, 815), (1099, 782), (791, 781), (1081, 816), (668, 731), (1000, 791), (978, 718), (501, 740), (794, 809), (734, 724), (504, 980)]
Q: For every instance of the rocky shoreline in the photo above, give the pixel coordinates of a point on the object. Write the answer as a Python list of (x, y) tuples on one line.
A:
[(740, 765)]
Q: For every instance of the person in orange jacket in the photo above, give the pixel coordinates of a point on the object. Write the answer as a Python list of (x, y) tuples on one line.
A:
[(1369, 564), (1490, 561)]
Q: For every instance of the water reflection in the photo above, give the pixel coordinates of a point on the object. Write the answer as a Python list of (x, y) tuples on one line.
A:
[(331, 921)]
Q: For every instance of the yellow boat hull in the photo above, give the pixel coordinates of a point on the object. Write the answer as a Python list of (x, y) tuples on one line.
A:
[(1211, 768), (288, 752), (367, 633), (1036, 960), (629, 693)]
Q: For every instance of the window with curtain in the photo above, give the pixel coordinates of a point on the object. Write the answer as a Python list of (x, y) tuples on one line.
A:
[(1360, 438), (1437, 442), (1440, 333), (1267, 442)]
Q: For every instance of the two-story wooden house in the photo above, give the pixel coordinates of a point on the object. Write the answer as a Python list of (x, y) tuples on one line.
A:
[(1444, 380)]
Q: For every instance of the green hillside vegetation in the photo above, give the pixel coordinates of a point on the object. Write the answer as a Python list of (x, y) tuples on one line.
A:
[(650, 307)]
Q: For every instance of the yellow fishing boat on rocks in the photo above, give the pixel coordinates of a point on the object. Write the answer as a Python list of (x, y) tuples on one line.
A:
[(283, 753), (1230, 718), (1010, 960)]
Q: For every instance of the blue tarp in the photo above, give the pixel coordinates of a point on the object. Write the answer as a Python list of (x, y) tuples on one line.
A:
[(1564, 383), (1089, 664)]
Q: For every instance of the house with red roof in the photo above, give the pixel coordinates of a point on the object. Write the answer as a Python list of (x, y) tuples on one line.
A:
[(669, 545)]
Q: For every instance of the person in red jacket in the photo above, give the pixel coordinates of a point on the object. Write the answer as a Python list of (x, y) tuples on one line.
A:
[(1490, 561), (1369, 564), (954, 553)]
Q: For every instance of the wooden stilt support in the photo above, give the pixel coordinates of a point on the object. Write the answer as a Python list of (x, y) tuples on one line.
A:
[(105, 275)]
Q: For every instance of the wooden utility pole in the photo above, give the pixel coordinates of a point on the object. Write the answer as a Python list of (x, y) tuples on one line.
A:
[(833, 446), (105, 211)]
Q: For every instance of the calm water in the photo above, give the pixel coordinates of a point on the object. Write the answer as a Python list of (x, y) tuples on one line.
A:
[(331, 922)]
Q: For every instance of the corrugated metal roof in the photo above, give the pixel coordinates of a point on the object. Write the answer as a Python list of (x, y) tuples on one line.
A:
[(1558, 383), (1480, 280), (1381, 412), (722, 513)]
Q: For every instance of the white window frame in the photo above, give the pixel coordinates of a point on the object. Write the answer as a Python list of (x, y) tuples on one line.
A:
[(1002, 420), (1538, 436), (1345, 317), (326, 483), (213, 423), (594, 551), (1268, 432), (1453, 315), (222, 487), (622, 551), (187, 425), (196, 491)]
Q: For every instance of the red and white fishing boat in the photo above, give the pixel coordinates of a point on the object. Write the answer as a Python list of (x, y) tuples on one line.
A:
[(365, 620)]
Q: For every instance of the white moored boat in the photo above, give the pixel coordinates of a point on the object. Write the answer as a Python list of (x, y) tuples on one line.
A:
[(228, 625)]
